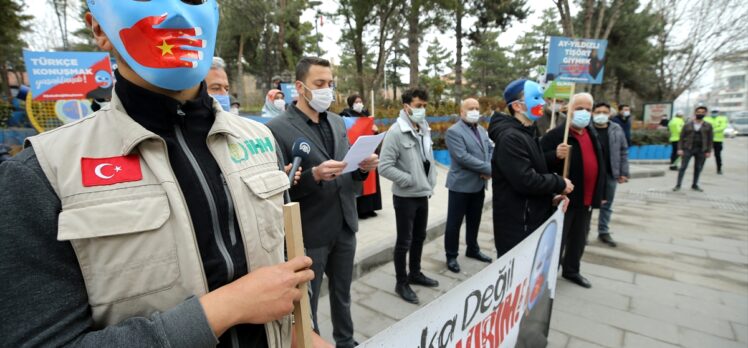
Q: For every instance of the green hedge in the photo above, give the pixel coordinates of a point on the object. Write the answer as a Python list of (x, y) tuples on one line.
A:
[(650, 137)]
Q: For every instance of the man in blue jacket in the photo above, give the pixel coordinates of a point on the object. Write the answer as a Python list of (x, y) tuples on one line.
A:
[(470, 150)]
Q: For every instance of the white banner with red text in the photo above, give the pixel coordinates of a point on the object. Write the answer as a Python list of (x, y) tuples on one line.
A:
[(507, 304)]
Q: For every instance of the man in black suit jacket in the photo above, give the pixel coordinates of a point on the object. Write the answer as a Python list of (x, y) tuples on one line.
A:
[(326, 195)]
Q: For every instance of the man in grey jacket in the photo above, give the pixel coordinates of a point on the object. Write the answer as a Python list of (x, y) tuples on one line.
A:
[(408, 161), (471, 151), (616, 154)]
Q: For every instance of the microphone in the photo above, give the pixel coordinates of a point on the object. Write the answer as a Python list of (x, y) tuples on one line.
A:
[(300, 151)]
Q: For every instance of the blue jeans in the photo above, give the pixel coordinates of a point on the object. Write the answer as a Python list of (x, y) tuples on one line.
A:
[(606, 210)]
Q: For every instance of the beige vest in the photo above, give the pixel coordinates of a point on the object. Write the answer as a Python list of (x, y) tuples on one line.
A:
[(134, 241)]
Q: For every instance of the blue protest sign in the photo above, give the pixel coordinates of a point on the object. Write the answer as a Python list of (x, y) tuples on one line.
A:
[(289, 93), (68, 75), (576, 60)]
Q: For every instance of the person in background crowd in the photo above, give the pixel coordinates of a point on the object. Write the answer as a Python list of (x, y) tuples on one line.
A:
[(697, 141), (544, 123), (145, 233), (235, 105), (367, 205), (624, 120), (616, 162), (587, 170), (218, 83), (277, 80), (524, 189), (325, 194), (275, 103), (408, 161), (356, 107), (467, 181), (675, 126), (719, 123)]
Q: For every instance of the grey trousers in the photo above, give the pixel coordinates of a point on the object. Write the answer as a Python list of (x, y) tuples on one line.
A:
[(336, 261)]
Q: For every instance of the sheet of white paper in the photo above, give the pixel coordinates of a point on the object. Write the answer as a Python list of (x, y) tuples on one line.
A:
[(363, 148)]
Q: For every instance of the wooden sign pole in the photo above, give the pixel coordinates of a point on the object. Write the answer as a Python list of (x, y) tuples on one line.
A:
[(295, 247), (569, 116), (553, 115)]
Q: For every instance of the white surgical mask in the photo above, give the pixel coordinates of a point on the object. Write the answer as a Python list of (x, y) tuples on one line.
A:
[(234, 110), (417, 115), (472, 116), (358, 107), (581, 119), (321, 98), (626, 114), (280, 104), (600, 119)]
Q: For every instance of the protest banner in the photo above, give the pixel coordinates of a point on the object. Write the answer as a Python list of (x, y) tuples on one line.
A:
[(655, 113), (69, 75), (576, 60), (507, 304)]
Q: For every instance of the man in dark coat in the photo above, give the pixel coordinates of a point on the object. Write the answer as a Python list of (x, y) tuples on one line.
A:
[(587, 171), (524, 190)]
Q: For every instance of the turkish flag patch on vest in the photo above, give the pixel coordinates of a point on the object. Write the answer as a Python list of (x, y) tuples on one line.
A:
[(110, 171)]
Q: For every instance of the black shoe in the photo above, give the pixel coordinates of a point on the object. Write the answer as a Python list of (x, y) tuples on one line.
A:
[(452, 265), (719, 172), (421, 279), (373, 214), (579, 280), (697, 188), (676, 189), (607, 239), (406, 293), (479, 256), (674, 168)]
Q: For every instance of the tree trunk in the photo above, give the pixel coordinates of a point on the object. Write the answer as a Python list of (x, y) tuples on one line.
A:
[(414, 41), (600, 17), (358, 52), (282, 34), (617, 4), (458, 52), (240, 71), (619, 86), (589, 11), (5, 90)]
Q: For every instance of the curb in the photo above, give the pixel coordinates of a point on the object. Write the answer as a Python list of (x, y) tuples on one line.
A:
[(383, 256)]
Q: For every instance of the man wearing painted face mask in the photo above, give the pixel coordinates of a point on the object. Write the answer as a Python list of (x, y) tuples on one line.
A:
[(408, 161), (587, 171), (218, 83), (696, 141), (326, 195), (524, 189), (163, 227), (615, 158), (624, 120), (471, 151)]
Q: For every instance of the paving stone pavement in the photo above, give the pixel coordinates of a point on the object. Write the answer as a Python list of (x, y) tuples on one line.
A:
[(678, 278)]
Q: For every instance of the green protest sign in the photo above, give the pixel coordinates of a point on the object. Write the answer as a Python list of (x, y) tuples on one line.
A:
[(559, 90)]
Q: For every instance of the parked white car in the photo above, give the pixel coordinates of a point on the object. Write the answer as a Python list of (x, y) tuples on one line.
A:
[(740, 125)]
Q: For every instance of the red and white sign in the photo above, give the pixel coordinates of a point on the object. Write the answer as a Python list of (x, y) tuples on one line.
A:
[(110, 171)]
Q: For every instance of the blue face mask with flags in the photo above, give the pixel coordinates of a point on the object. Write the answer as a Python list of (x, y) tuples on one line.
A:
[(224, 100), (169, 43)]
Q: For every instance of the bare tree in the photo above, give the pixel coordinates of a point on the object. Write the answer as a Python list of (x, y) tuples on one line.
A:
[(389, 34), (565, 13), (61, 11), (695, 33)]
